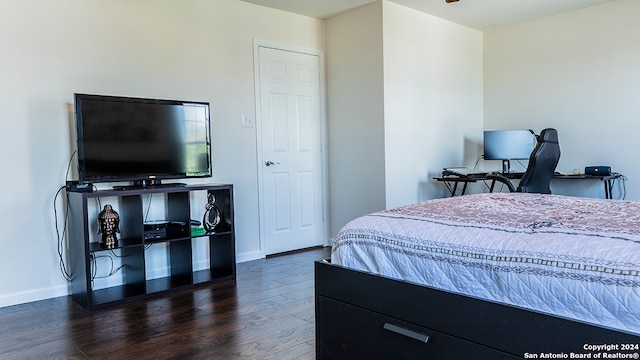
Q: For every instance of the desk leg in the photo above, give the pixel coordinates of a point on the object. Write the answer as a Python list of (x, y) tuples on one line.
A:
[(464, 188), (455, 187), (608, 189)]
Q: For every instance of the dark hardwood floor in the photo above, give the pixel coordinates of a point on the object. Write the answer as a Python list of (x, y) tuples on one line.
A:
[(267, 314)]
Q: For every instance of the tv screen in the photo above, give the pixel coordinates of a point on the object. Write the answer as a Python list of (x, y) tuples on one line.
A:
[(141, 140), (508, 144)]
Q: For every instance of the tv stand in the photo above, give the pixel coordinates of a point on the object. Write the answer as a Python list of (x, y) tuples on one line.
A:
[(142, 275)]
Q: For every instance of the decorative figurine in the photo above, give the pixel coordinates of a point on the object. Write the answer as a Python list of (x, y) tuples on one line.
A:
[(212, 214), (109, 221)]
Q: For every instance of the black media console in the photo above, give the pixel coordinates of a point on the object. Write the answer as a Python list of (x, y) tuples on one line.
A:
[(133, 245)]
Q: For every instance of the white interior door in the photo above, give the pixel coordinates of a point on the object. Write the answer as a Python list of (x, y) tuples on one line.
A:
[(290, 130)]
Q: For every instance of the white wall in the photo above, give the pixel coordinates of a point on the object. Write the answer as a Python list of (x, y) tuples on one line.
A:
[(189, 49), (580, 73), (355, 112), (404, 100), (432, 101)]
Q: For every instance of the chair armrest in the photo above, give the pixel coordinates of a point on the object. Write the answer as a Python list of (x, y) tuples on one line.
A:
[(502, 179)]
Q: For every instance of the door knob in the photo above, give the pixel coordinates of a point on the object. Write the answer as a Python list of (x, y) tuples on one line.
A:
[(269, 163)]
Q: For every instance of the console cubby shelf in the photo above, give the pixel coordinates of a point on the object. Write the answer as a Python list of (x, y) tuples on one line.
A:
[(133, 247)]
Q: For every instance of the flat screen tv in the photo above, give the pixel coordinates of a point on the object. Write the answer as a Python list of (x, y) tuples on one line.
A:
[(508, 145), (139, 140)]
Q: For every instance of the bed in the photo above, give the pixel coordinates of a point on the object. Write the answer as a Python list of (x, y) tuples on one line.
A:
[(486, 276)]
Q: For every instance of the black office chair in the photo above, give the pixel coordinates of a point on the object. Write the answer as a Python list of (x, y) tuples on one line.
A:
[(542, 165)]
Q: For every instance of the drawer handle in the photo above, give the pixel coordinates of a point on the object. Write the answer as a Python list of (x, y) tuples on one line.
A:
[(406, 332)]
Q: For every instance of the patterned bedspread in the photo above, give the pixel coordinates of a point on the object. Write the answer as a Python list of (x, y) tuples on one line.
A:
[(577, 258)]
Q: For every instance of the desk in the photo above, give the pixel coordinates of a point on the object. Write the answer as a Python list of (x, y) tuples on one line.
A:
[(607, 180), (451, 180)]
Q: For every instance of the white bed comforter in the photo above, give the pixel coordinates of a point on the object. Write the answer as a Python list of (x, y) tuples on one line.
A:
[(574, 257)]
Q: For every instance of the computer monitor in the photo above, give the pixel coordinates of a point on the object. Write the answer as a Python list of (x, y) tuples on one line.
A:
[(508, 145)]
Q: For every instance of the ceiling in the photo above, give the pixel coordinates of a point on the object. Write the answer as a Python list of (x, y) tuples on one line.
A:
[(477, 14)]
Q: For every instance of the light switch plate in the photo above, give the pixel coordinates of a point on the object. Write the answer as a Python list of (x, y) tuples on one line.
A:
[(247, 121)]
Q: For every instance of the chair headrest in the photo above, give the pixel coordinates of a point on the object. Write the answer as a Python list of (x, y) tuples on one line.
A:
[(549, 135)]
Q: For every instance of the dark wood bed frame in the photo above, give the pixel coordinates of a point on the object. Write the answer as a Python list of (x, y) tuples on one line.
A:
[(365, 316)]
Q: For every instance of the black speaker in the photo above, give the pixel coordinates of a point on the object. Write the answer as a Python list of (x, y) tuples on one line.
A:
[(598, 170)]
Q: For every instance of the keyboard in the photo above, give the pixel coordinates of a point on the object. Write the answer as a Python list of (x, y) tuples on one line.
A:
[(464, 171)]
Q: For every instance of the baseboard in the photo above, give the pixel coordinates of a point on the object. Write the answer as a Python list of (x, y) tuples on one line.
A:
[(35, 295), (295, 251), (248, 256)]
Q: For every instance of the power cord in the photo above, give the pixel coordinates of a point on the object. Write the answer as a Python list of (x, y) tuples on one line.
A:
[(478, 160), (60, 237), (521, 164), (146, 212), (624, 183), (94, 268)]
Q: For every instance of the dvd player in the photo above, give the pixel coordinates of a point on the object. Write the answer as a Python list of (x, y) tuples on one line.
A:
[(162, 229)]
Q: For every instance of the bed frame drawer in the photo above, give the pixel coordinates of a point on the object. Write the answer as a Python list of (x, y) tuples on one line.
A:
[(507, 329), (350, 332)]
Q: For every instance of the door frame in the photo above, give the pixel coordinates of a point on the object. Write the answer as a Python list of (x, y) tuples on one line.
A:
[(257, 44)]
